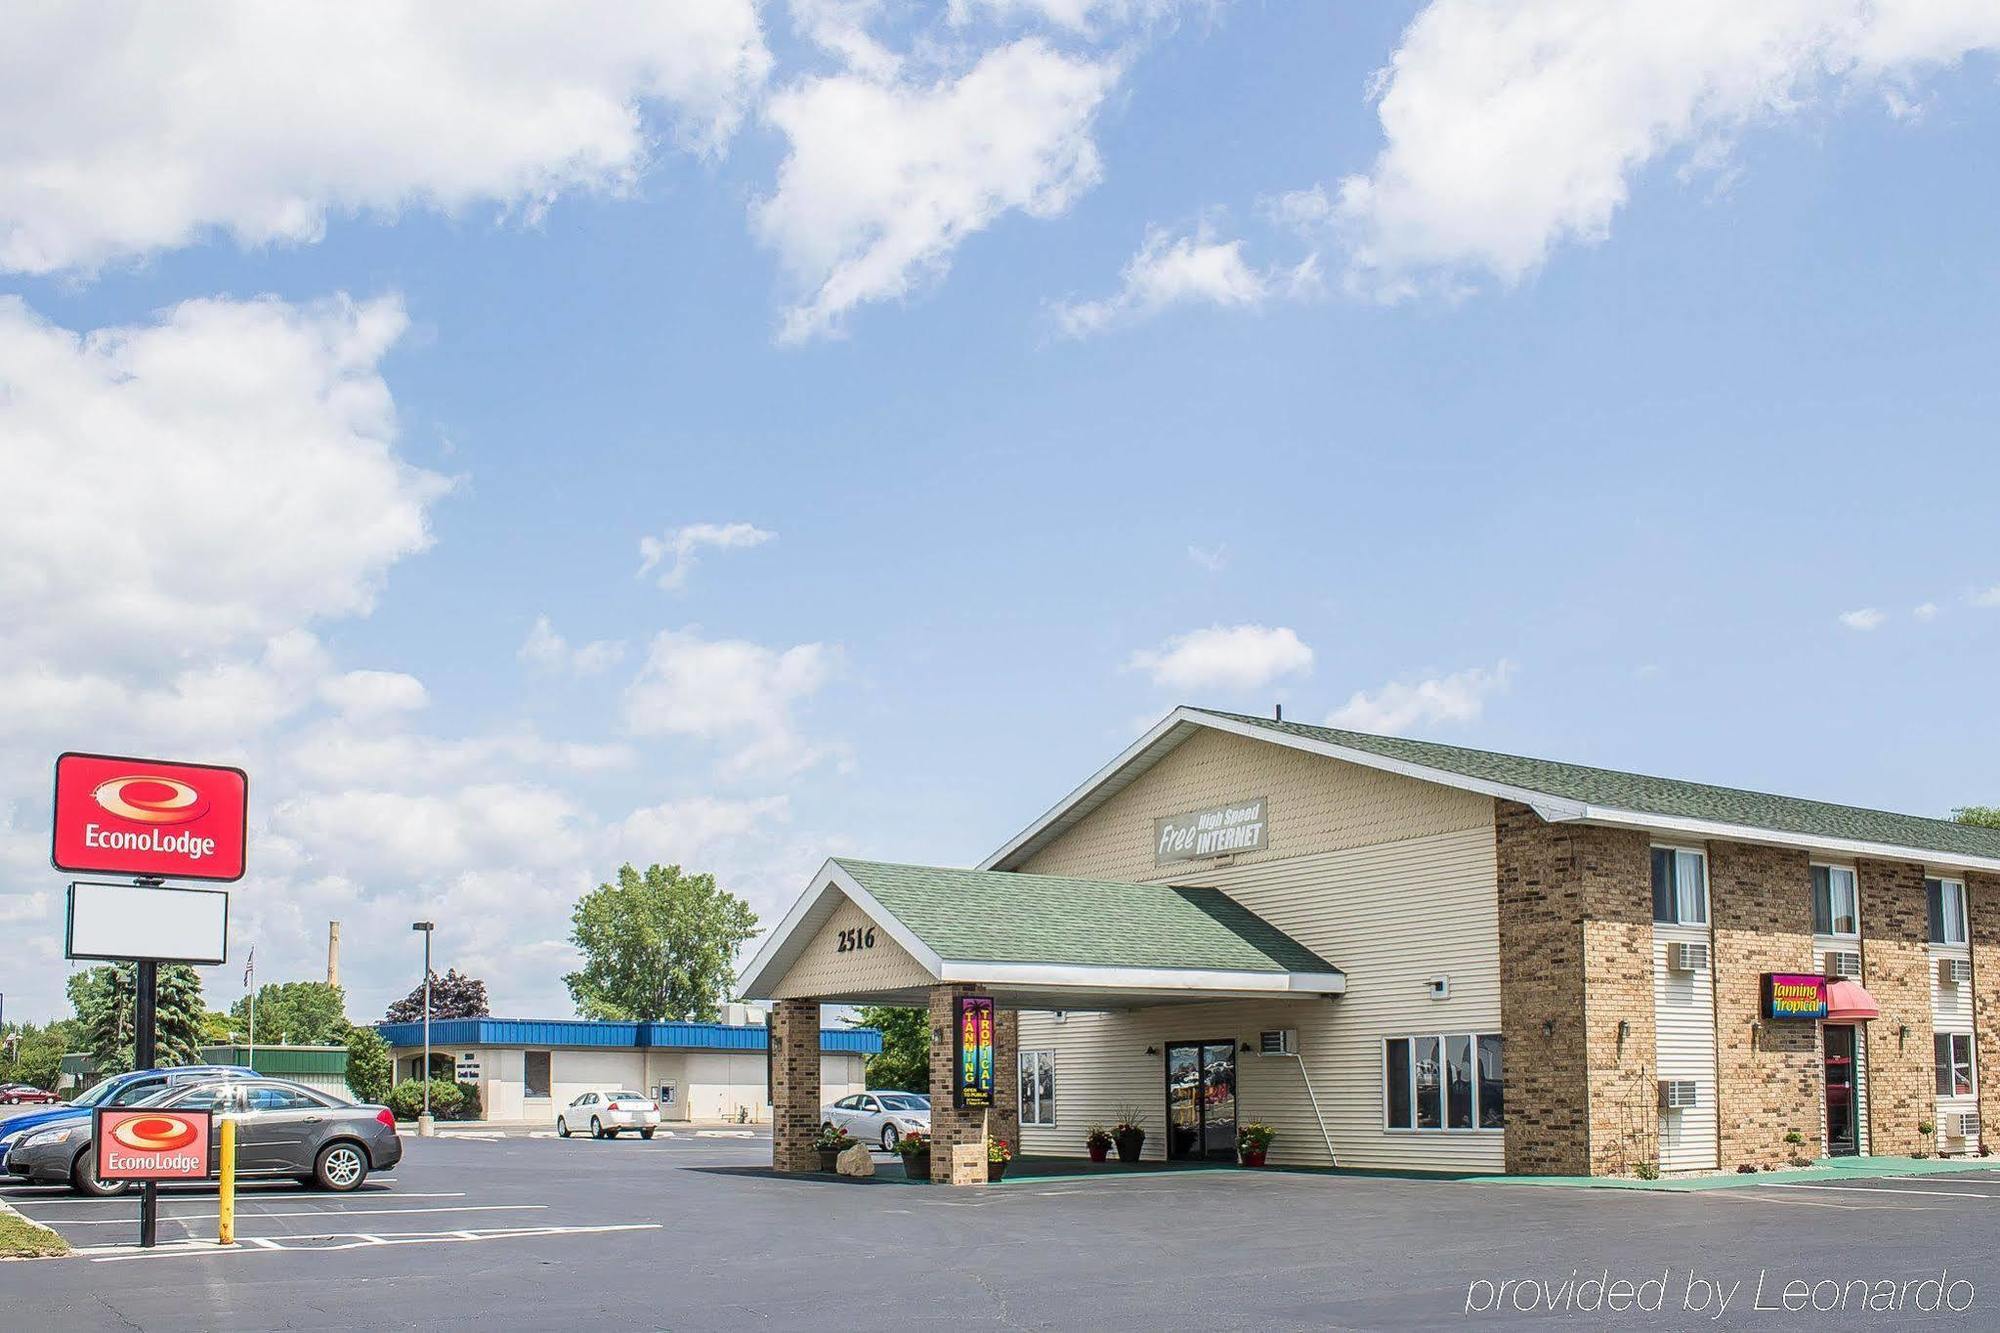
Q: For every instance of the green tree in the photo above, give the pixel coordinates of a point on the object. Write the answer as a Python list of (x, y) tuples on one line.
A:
[(367, 1064), (106, 1003), (1986, 816), (905, 1059), (657, 946), (34, 1054), (296, 1013)]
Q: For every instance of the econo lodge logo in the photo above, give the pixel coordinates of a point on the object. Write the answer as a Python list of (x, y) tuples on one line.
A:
[(148, 817), (151, 800), (155, 1133)]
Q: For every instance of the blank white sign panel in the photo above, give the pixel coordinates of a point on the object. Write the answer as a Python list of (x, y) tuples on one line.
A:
[(130, 921)]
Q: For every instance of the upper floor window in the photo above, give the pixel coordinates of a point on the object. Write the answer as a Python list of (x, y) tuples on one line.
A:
[(1836, 905), (1680, 887), (1947, 906), (1954, 1064)]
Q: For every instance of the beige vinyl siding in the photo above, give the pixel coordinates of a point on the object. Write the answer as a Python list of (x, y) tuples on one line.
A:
[(1314, 805), (825, 971), (1391, 916), (1684, 1035), (1822, 946), (1951, 1011)]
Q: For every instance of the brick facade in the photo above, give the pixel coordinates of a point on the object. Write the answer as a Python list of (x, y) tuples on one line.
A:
[(1896, 968), (1575, 906), (952, 1128), (795, 1103), (1982, 905), (1770, 1076)]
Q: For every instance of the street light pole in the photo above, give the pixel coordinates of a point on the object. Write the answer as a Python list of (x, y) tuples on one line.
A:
[(424, 1121)]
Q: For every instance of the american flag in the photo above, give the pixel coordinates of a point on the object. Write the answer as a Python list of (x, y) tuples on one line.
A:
[(249, 967)]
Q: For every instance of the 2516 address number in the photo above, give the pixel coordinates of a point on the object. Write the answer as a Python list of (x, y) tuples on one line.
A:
[(861, 937)]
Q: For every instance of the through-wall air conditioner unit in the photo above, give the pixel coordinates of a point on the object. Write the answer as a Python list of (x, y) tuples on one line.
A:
[(1968, 1124), (1677, 1094), (1687, 957), (1954, 972), (1843, 963), (1281, 1041)]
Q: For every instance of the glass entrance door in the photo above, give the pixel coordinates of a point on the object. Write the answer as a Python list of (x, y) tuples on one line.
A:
[(1842, 1136), (1201, 1101)]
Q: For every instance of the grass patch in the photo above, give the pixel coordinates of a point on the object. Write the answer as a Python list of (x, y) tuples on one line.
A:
[(22, 1239)]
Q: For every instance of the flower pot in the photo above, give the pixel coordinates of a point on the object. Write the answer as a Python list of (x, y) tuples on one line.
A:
[(917, 1166), (829, 1159), (1253, 1156), (1130, 1144), (995, 1170), (1099, 1151)]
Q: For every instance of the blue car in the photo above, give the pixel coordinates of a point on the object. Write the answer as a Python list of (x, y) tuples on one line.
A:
[(118, 1090)]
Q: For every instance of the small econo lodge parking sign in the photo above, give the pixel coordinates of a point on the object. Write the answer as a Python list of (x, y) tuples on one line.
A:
[(147, 818), (144, 1144)]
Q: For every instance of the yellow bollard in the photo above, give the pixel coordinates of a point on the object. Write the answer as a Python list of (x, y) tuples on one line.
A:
[(226, 1202)]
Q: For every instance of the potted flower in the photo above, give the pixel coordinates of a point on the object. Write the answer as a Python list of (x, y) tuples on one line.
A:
[(1925, 1128), (1253, 1141), (916, 1153), (1129, 1134), (831, 1143), (1098, 1141), (999, 1152)]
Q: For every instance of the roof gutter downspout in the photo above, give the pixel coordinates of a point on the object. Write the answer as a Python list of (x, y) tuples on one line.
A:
[(1307, 1080)]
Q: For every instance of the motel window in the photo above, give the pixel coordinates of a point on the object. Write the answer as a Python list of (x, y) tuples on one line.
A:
[(1954, 1064), (1835, 903), (1451, 1081), (1947, 907), (1038, 1087), (535, 1074), (1680, 887)]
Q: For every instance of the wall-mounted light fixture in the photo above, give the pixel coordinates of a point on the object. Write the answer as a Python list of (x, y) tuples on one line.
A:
[(1624, 1030), (1152, 1050), (1548, 1027), (1248, 1049)]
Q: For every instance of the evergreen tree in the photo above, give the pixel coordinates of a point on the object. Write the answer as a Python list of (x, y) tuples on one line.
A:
[(106, 1004)]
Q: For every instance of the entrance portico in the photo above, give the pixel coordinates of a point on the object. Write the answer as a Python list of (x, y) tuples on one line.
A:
[(875, 933)]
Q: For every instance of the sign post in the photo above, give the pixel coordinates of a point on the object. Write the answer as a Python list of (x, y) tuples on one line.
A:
[(150, 819)]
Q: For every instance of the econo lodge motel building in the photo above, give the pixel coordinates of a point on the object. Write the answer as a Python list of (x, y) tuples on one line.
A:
[(1417, 956)]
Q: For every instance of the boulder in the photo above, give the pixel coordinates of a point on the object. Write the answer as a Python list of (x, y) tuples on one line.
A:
[(855, 1161)]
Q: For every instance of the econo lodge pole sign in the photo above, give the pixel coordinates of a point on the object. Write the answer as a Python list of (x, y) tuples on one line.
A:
[(151, 820)]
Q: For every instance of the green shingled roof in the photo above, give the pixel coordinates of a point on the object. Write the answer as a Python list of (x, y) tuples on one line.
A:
[(999, 916), (1659, 796)]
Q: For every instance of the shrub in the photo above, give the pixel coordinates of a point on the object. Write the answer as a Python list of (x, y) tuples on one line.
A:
[(1647, 1171), (1747, 1169), (367, 1064), (468, 1102), (406, 1099)]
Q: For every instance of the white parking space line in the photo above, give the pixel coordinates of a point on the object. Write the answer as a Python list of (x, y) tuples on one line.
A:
[(348, 1240), (242, 1197), (332, 1214), (1876, 1189)]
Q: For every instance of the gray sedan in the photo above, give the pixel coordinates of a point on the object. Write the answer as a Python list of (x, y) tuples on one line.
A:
[(282, 1129)]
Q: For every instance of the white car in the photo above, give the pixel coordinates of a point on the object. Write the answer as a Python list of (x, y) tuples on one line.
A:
[(606, 1114), (880, 1118)]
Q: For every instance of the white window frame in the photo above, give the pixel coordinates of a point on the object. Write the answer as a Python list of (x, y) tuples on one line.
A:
[(1707, 905), (1444, 1088), (1854, 876), (1971, 1063), (1021, 1083), (1944, 918)]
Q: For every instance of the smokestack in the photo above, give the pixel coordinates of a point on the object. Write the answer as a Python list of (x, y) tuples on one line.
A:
[(333, 953)]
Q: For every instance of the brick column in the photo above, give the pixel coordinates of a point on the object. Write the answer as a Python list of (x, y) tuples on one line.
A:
[(1007, 1076), (794, 1085), (951, 1127), (1982, 894), (1772, 1081), (1896, 968)]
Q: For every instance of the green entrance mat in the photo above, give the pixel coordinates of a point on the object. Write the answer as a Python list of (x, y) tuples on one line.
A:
[(1827, 1168)]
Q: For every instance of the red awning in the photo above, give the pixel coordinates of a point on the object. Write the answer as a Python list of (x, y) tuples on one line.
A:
[(1847, 1002)]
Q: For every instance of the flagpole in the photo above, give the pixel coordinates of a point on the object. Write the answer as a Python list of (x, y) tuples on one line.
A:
[(250, 971)]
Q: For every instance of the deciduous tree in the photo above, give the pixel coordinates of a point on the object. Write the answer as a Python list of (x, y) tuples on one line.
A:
[(295, 1013), (453, 995), (905, 1059), (658, 945)]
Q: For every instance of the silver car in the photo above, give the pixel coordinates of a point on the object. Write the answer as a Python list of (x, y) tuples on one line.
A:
[(880, 1117), (282, 1129)]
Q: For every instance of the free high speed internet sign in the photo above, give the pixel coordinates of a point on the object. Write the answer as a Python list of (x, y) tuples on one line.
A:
[(148, 817)]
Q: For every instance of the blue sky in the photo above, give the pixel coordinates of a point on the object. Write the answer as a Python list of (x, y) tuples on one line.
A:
[(1612, 388)]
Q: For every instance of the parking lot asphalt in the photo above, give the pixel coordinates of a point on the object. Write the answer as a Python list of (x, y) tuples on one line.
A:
[(691, 1233)]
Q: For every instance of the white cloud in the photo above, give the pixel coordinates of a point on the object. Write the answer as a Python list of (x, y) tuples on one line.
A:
[(338, 756), (546, 650), (366, 694), (1420, 704), (137, 128), (1213, 559), (1171, 270), (1928, 611), (690, 830), (1512, 126), (1865, 619), (679, 548), (731, 692), (1236, 657), (1986, 596), (1083, 17), (885, 177), (216, 477)]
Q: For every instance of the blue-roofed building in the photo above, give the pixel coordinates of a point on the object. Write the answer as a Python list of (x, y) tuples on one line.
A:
[(528, 1068)]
